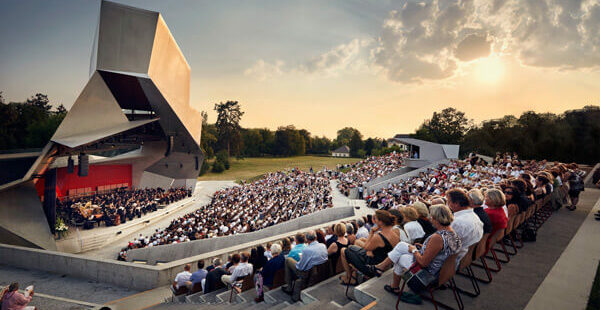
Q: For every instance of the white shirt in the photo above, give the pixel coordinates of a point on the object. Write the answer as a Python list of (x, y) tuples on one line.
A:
[(181, 278), (362, 232), (240, 271), (403, 234), (414, 230), (469, 229)]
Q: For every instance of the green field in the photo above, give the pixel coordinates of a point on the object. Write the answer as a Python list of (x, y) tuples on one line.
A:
[(250, 168)]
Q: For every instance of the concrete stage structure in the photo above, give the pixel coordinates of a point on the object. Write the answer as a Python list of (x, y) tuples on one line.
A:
[(131, 126)]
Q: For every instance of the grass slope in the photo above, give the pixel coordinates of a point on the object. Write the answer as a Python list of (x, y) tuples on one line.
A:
[(251, 168)]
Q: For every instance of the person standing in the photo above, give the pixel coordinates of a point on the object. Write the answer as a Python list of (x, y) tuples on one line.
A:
[(13, 300)]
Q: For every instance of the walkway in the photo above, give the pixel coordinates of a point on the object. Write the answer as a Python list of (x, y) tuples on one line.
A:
[(568, 284)]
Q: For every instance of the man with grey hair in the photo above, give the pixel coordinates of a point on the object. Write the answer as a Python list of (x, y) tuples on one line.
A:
[(212, 282), (477, 200), (313, 254), (362, 231)]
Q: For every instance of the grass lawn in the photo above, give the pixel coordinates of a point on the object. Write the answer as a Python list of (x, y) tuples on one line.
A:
[(251, 168)]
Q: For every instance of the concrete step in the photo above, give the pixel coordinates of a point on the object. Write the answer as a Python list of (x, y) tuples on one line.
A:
[(353, 305), (328, 290), (277, 296), (212, 296)]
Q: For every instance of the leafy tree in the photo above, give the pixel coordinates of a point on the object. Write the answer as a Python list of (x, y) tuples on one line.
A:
[(307, 140), (208, 139), (223, 158), (344, 136), (321, 145), (289, 142), (252, 140), (356, 144), (229, 115), (447, 127)]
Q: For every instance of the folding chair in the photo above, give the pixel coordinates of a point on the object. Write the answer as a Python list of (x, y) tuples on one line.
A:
[(244, 284), (446, 276), (465, 264)]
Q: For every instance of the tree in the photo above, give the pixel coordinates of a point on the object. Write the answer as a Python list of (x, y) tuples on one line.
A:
[(446, 127), (356, 144), (289, 142), (208, 139), (229, 115), (321, 145), (344, 135)]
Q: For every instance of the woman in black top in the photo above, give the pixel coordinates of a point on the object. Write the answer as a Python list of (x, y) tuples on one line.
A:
[(374, 250)]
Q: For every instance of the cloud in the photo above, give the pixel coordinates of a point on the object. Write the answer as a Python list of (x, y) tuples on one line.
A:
[(472, 47), (431, 39), (335, 59), (262, 70)]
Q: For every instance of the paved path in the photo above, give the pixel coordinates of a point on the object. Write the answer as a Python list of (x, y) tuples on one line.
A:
[(202, 194), (568, 284)]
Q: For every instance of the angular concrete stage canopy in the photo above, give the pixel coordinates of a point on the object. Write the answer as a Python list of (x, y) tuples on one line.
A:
[(136, 101)]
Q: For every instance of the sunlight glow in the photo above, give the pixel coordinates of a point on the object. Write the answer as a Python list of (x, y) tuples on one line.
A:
[(489, 70)]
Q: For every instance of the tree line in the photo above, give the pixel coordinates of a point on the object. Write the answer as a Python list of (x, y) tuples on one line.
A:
[(572, 136)]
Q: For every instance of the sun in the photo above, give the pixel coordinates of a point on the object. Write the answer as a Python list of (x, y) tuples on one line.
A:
[(488, 70)]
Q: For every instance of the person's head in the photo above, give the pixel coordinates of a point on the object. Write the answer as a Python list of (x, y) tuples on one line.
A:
[(476, 197), (187, 267), (340, 230), (510, 193), (384, 218), (299, 238), (244, 256), (542, 179), (13, 287), (360, 223), (275, 249), (349, 229), (260, 250), (398, 217), (235, 258), (217, 262), (457, 199), (311, 236), (410, 214), (438, 201), (370, 219), (441, 214), (421, 209), (200, 264), (286, 245), (494, 198), (320, 236)]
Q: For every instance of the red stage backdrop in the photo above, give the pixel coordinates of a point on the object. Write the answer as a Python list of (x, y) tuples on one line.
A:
[(100, 177)]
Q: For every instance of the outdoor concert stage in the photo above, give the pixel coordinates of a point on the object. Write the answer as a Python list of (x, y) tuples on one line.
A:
[(131, 126)]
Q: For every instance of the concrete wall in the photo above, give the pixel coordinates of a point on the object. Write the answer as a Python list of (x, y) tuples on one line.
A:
[(389, 176), (588, 178), (172, 252)]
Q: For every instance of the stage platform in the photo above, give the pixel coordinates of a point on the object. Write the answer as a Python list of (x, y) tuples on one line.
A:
[(90, 241)]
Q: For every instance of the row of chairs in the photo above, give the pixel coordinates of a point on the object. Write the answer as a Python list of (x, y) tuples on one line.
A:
[(488, 248)]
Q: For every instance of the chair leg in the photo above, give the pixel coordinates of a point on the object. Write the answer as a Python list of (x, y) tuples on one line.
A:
[(400, 294), (231, 295), (493, 251), (487, 270), (473, 279), (457, 297)]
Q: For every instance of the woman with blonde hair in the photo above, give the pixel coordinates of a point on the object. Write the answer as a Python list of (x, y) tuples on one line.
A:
[(340, 243), (424, 218), (412, 227), (495, 202)]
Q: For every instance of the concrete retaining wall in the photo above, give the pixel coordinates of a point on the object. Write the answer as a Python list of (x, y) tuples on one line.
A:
[(172, 252), (389, 176)]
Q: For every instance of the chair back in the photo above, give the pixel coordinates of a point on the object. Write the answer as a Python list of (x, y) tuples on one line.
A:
[(448, 269), (468, 258), (481, 246), (248, 282), (196, 288), (498, 235), (278, 278), (319, 273)]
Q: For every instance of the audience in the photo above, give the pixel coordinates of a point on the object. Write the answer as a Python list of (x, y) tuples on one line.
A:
[(362, 172), (266, 276), (182, 279), (476, 201), (199, 275), (240, 269), (495, 202), (212, 282), (11, 299), (466, 223), (312, 255)]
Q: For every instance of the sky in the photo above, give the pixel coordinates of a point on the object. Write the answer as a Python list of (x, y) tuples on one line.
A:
[(377, 65)]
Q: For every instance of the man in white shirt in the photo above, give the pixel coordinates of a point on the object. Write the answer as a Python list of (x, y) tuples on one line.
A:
[(182, 277), (466, 224), (362, 231), (241, 270)]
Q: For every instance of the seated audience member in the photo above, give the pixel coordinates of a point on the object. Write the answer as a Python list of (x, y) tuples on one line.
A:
[(341, 242), (198, 275), (362, 231), (350, 233), (320, 236), (286, 246), (13, 300), (495, 202), (399, 225), (297, 249), (424, 218), (431, 256), (212, 282), (412, 227), (330, 235), (182, 278), (466, 223), (382, 239), (520, 194), (268, 254), (266, 276), (476, 202), (312, 255), (242, 269)]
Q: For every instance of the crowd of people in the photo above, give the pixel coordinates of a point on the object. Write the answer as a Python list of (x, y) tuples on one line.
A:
[(358, 174), (421, 222), (118, 206), (275, 198)]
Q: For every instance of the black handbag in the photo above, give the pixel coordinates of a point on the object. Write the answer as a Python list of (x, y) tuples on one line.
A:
[(418, 278)]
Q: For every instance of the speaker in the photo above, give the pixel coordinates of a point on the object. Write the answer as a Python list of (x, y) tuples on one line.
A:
[(70, 165), (84, 165), (170, 141)]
